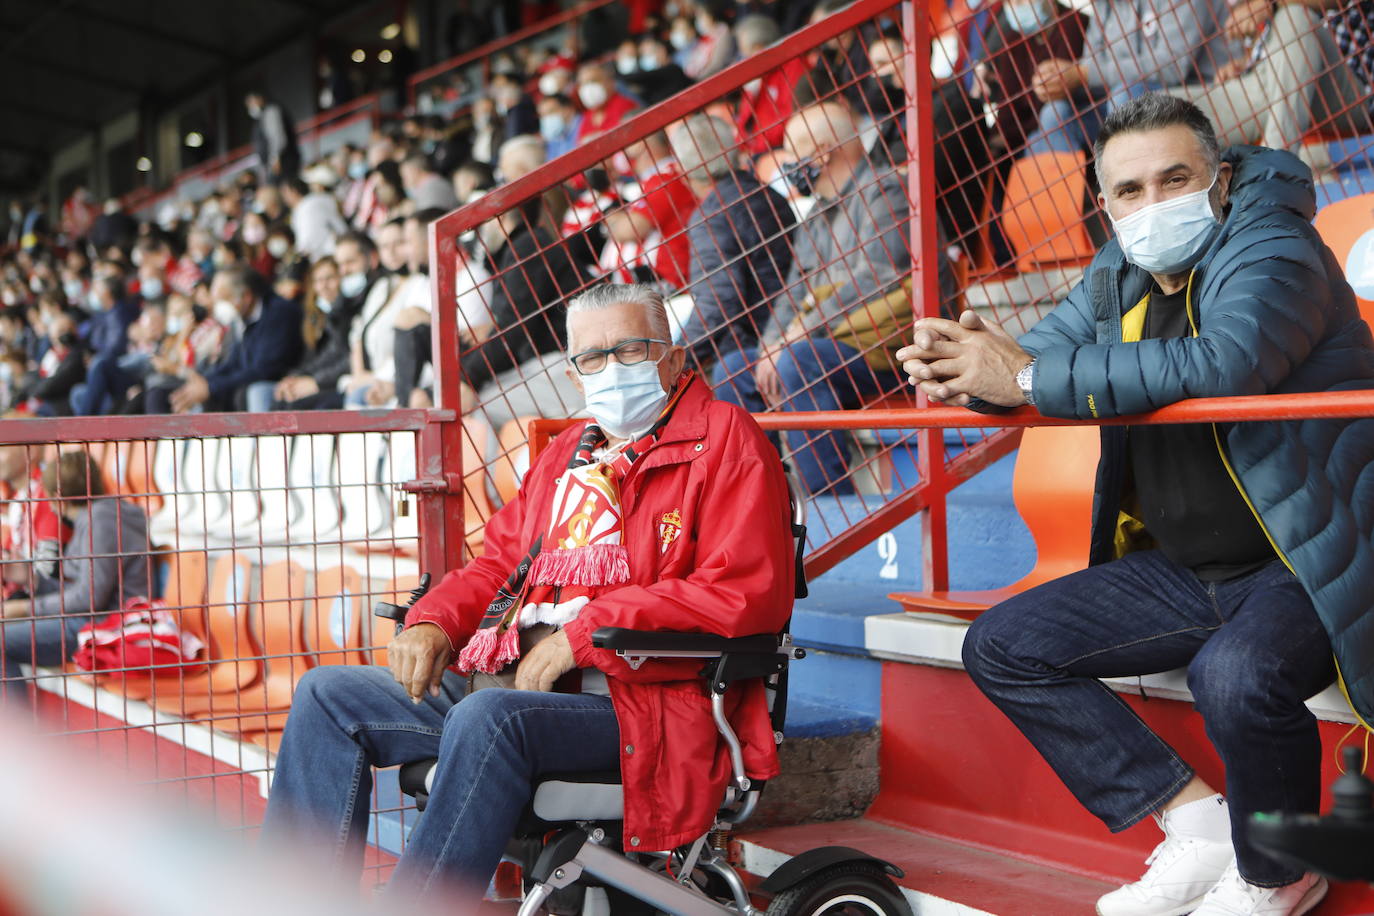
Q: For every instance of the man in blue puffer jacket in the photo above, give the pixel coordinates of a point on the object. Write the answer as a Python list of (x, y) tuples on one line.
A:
[(1241, 551)]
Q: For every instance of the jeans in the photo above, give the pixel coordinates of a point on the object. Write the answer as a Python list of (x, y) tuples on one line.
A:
[(41, 641), (106, 382), (815, 374), (492, 746), (258, 396), (1254, 649)]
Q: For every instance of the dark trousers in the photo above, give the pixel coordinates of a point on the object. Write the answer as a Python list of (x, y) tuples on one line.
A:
[(1254, 649)]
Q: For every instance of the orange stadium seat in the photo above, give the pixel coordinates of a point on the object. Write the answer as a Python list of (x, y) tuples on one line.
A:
[(1342, 226), (1043, 212), (277, 621), (334, 617), (1053, 490), (223, 625)]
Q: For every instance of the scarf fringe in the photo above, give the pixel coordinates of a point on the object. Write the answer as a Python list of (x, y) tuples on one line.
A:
[(489, 650), (590, 566)]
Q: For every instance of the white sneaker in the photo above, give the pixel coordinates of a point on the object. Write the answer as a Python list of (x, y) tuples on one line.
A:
[(1182, 869), (1233, 896)]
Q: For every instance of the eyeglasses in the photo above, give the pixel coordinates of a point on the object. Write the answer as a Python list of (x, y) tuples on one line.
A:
[(627, 353)]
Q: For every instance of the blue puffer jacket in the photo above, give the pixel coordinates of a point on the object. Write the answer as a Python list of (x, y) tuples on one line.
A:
[(1274, 314)]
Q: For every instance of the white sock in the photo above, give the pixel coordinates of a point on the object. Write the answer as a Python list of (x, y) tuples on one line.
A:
[(1206, 819)]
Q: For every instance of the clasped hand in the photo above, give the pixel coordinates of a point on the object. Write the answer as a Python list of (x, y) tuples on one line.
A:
[(956, 361)]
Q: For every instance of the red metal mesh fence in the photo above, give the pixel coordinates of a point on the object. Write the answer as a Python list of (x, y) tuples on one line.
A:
[(241, 555)]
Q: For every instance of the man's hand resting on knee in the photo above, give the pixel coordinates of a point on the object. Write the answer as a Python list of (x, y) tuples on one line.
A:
[(418, 657)]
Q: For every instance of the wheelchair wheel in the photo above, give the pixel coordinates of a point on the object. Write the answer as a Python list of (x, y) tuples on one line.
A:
[(848, 889)]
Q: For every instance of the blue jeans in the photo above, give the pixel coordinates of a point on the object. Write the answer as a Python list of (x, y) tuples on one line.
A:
[(815, 374), (39, 641), (1254, 649), (258, 396), (107, 378), (492, 746)]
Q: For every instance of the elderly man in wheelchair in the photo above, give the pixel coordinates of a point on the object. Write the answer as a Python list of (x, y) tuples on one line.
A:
[(654, 536)]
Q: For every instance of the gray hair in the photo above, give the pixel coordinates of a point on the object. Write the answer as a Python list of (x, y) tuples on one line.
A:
[(240, 279), (704, 146), (1156, 111), (609, 294), (530, 148), (756, 31)]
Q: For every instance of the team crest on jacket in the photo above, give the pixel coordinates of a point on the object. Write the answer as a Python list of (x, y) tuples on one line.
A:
[(669, 527)]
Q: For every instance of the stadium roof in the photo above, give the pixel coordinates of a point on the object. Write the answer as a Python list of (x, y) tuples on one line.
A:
[(68, 66)]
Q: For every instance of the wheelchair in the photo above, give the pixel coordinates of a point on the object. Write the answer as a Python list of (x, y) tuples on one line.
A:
[(569, 841), (1339, 845)]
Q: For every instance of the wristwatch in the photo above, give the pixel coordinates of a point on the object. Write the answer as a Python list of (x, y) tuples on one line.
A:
[(1023, 381)]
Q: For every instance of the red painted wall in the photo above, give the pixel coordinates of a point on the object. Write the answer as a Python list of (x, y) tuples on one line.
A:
[(952, 765)]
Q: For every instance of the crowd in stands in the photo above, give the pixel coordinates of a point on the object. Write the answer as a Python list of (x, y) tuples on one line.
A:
[(782, 213)]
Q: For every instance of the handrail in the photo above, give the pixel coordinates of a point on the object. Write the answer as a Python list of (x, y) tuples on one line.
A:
[(500, 44), (213, 425), (141, 198), (1313, 405)]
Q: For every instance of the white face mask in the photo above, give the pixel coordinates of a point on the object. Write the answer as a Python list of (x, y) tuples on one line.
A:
[(625, 400), (1169, 237), (1027, 17), (752, 87), (549, 84), (227, 314), (174, 324), (323, 304), (681, 41), (593, 95), (626, 65), (254, 234), (352, 284), (278, 246)]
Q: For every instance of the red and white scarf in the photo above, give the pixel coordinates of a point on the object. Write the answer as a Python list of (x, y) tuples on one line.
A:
[(580, 553)]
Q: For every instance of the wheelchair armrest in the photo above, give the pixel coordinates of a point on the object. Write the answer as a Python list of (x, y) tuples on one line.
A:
[(390, 611), (666, 643)]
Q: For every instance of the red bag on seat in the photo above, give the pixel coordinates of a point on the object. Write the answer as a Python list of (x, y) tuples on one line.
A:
[(143, 638)]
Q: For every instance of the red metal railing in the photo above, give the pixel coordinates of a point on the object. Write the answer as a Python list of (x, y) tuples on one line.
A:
[(144, 201), (424, 79)]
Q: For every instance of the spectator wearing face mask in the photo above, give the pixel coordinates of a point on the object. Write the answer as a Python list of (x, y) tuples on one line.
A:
[(339, 286), (372, 337), (274, 136), (62, 367), (738, 238), (267, 342), (254, 239), (603, 107), (558, 124), (766, 102), (109, 380), (715, 46), (193, 341), (682, 38), (112, 312), (650, 232), (657, 75)]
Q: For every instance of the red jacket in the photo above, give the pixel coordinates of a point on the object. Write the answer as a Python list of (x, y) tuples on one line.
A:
[(728, 572), (762, 116)]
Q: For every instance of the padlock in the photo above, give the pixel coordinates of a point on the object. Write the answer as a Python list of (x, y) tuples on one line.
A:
[(403, 506)]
